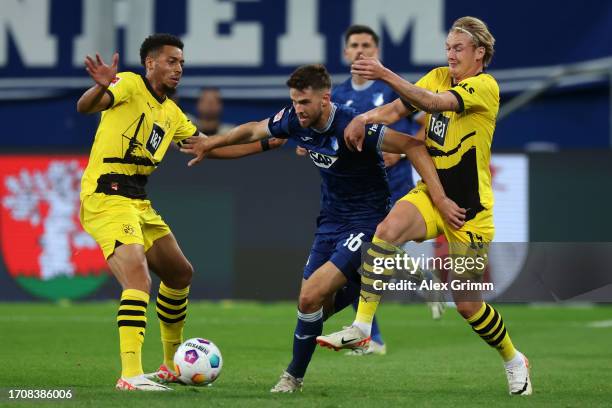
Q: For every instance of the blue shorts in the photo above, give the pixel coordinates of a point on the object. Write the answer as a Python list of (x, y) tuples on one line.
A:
[(340, 244)]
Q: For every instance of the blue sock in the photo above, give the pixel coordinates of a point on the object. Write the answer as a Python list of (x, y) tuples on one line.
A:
[(345, 296), (376, 335), (309, 326)]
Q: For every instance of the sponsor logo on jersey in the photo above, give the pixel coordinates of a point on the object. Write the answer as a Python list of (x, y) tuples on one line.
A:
[(155, 139), (438, 126), (322, 160)]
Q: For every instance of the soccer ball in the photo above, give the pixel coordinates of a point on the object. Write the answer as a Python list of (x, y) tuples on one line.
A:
[(198, 362)]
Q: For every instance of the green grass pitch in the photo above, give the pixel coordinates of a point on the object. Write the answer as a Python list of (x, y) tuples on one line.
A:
[(429, 363)]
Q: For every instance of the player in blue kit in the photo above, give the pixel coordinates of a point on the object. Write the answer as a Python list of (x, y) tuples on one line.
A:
[(363, 95), (354, 198)]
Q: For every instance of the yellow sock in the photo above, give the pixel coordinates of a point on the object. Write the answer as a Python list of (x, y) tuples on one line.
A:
[(171, 310), (489, 325), (132, 322), (369, 297)]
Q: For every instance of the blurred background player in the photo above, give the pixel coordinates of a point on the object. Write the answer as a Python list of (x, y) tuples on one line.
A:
[(354, 198), (209, 109), (462, 102), (139, 121)]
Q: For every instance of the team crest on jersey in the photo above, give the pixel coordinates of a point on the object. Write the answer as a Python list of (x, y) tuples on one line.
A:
[(44, 247), (278, 116), (334, 144), (378, 99), (322, 160)]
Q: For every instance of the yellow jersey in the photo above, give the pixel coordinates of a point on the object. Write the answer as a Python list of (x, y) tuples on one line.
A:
[(460, 142), (132, 138)]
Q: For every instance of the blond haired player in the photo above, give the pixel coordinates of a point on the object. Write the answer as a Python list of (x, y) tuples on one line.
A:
[(461, 101)]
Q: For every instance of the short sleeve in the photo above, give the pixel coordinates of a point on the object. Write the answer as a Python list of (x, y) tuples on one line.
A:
[(279, 124), (185, 128), (374, 135), (121, 88), (473, 93)]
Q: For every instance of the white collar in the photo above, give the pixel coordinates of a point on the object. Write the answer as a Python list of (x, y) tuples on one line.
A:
[(329, 120), (361, 87)]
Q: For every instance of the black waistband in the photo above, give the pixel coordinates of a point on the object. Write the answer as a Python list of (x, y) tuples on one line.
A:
[(123, 185)]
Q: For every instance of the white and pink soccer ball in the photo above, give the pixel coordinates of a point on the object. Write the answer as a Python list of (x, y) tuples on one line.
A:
[(198, 362)]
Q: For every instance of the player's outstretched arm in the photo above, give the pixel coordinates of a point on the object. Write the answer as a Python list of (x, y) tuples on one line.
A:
[(248, 149), (421, 98), (95, 99), (386, 114), (397, 142), (245, 133)]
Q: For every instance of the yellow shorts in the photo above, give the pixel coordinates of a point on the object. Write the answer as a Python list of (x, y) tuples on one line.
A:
[(470, 241), (111, 218)]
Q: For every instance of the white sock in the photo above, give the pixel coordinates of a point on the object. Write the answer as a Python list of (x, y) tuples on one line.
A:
[(366, 328), (516, 360)]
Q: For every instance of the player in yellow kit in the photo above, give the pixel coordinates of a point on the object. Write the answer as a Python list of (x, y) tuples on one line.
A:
[(461, 102), (138, 124)]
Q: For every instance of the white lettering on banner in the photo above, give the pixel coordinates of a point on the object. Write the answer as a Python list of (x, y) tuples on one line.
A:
[(28, 22), (243, 47), (99, 20), (301, 44), (395, 17), (136, 17)]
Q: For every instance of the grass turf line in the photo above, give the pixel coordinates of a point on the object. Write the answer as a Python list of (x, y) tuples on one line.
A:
[(429, 363)]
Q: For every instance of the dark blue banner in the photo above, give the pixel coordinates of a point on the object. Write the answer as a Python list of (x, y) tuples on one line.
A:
[(248, 44)]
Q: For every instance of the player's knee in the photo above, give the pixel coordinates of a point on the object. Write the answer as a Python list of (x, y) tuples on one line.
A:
[(180, 277), (137, 277), (388, 231), (310, 301), (129, 265), (186, 275), (468, 309)]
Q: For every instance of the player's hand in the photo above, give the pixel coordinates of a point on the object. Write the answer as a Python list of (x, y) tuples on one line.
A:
[(451, 212), (199, 146), (391, 159), (300, 151), (101, 73), (368, 68), (354, 133), (275, 142)]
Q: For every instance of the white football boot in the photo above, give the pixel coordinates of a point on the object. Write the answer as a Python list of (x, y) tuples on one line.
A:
[(140, 383), (288, 383), (163, 375), (350, 337), (374, 348), (519, 382)]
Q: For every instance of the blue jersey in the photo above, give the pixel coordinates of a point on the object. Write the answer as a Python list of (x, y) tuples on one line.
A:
[(354, 187), (370, 95)]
